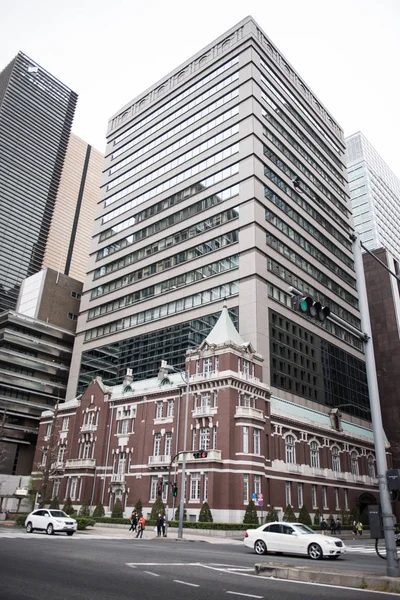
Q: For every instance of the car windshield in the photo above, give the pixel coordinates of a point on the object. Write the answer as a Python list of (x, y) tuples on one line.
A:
[(59, 513), (304, 529)]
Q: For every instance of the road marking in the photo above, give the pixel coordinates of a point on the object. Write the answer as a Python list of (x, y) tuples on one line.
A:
[(246, 595), (160, 564), (151, 573), (186, 583)]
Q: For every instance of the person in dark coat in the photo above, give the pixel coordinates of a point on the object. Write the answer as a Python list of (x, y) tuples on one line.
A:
[(133, 521), (324, 526), (333, 526)]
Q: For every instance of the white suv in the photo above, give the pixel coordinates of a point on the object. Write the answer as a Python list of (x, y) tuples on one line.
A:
[(50, 521)]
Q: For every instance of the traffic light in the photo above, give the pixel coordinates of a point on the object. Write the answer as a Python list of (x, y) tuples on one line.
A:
[(160, 488), (174, 490), (200, 454), (313, 308)]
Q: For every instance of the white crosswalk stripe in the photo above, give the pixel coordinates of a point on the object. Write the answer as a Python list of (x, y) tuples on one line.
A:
[(361, 549)]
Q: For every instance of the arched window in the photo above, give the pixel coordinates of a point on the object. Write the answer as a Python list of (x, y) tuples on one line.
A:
[(354, 462), (314, 454), (371, 466), (335, 459), (290, 450)]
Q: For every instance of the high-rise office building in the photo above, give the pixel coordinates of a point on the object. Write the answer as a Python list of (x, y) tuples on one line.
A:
[(225, 179), (36, 112), (375, 196)]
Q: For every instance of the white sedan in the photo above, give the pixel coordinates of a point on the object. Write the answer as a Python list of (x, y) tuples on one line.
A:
[(51, 521), (293, 538)]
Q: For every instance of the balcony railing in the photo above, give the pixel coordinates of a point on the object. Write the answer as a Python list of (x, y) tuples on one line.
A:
[(293, 467), (249, 412), (88, 427), (58, 466), (118, 478), (80, 463), (162, 460), (318, 472), (204, 411), (339, 475), (249, 377)]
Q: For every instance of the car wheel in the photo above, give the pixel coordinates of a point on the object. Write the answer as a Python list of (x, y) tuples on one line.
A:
[(315, 551), (50, 529), (29, 528), (70, 533), (260, 547)]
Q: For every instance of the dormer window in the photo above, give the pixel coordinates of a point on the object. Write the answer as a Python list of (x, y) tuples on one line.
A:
[(246, 368), (207, 367)]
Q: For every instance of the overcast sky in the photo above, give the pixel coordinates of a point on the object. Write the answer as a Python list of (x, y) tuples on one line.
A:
[(347, 51)]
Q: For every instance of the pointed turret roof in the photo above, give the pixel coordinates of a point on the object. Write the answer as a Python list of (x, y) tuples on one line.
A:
[(224, 331)]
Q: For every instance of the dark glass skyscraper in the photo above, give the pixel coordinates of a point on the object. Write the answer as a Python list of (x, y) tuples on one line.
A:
[(36, 113)]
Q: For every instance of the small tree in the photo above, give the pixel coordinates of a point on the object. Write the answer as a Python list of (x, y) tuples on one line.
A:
[(68, 507), (289, 515), (250, 516), (317, 517), (117, 512), (158, 507), (54, 503), (272, 515), (205, 515), (84, 510), (354, 515), (177, 514), (139, 507), (98, 511), (304, 516)]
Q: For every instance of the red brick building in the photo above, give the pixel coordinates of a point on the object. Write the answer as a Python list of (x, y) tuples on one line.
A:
[(117, 442)]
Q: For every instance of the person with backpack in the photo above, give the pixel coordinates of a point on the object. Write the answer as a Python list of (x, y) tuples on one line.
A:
[(141, 526)]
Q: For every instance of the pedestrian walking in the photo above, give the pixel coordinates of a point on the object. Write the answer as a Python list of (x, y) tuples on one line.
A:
[(333, 526), (159, 524), (338, 526), (164, 526), (133, 521), (354, 529), (140, 526), (324, 526), (360, 527)]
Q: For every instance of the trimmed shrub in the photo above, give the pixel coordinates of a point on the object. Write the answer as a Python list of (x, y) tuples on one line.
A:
[(158, 507), (54, 503), (289, 515), (98, 511), (205, 515), (317, 518), (139, 507), (68, 507), (304, 516), (84, 509), (20, 520), (117, 512), (177, 514), (250, 516), (84, 522), (272, 515)]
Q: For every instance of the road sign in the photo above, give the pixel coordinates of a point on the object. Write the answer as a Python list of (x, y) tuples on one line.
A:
[(254, 496), (260, 499)]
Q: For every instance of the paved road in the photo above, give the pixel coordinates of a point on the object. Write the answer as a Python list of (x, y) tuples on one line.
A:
[(33, 567)]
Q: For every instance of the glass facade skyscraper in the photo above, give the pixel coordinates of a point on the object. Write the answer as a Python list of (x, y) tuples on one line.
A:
[(36, 113), (199, 204)]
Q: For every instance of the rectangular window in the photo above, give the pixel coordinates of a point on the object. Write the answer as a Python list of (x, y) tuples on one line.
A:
[(246, 368), (245, 489), (205, 497), (324, 497), (48, 430), (205, 438), (44, 458), (214, 438), (168, 444), (245, 440), (61, 453), (207, 367), (288, 492), (170, 408), (195, 486), (346, 500), (157, 444), (314, 496), (65, 424), (336, 490), (257, 484), (73, 488), (56, 488), (153, 487), (194, 436), (300, 501), (86, 450), (159, 410), (125, 426), (256, 441)]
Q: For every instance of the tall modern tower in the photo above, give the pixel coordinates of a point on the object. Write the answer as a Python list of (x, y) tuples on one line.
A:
[(36, 112), (226, 179)]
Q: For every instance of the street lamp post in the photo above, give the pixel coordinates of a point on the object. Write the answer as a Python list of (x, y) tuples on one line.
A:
[(185, 379)]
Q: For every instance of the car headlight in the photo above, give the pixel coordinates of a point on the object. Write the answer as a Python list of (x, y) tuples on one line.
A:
[(329, 542), (59, 521)]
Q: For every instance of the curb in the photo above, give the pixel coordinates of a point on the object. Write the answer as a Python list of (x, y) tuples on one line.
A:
[(351, 579)]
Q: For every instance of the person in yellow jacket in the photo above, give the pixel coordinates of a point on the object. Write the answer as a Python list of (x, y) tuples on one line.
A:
[(359, 527)]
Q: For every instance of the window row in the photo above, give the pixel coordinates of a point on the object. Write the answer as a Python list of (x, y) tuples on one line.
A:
[(159, 312), (158, 207), (167, 168), (168, 285), (175, 100), (309, 248), (169, 183), (174, 146)]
